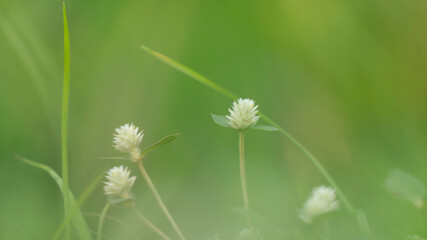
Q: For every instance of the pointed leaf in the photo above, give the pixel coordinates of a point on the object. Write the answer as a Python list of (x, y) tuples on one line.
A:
[(265, 128), (160, 143), (77, 219), (405, 186), (220, 120)]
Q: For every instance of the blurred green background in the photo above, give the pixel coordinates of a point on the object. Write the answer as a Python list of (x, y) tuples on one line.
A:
[(346, 78)]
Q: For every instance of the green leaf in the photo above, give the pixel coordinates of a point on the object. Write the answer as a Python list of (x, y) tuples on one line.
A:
[(160, 143), (265, 128), (77, 219), (406, 187), (220, 120)]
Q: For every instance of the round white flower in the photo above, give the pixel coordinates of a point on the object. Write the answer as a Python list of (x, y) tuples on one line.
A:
[(119, 185), (321, 201), (243, 114), (127, 139)]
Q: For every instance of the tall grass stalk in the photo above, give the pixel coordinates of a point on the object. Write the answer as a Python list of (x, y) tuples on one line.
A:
[(158, 198), (150, 224), (360, 216), (64, 123)]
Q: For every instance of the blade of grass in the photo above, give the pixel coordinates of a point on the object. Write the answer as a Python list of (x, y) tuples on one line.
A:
[(86, 193), (189, 72), (200, 78), (77, 219), (64, 122)]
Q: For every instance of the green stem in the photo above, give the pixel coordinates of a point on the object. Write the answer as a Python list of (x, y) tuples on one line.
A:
[(159, 199), (150, 224), (64, 124), (243, 174), (101, 221)]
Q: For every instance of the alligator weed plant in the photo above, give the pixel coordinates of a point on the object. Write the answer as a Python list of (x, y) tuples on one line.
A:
[(243, 117)]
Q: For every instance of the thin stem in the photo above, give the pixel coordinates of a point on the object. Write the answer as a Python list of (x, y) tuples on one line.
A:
[(64, 125), (101, 221), (150, 224), (243, 174), (159, 199)]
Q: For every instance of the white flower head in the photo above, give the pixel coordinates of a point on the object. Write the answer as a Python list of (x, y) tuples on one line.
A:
[(127, 139), (243, 114), (249, 234), (119, 185), (322, 200)]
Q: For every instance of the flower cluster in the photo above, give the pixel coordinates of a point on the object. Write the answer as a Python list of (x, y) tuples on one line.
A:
[(321, 201), (243, 114), (119, 184), (127, 139)]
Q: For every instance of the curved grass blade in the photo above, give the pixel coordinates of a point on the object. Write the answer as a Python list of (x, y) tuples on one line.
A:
[(64, 123), (77, 219), (200, 78), (86, 193)]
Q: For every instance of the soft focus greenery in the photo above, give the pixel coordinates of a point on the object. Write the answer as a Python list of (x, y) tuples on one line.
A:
[(347, 78)]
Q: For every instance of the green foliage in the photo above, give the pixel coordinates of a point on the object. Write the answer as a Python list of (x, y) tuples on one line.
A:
[(89, 189), (77, 219)]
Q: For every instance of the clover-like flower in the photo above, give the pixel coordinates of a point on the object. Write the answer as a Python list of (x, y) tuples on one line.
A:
[(119, 184), (127, 139), (243, 114), (321, 201)]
